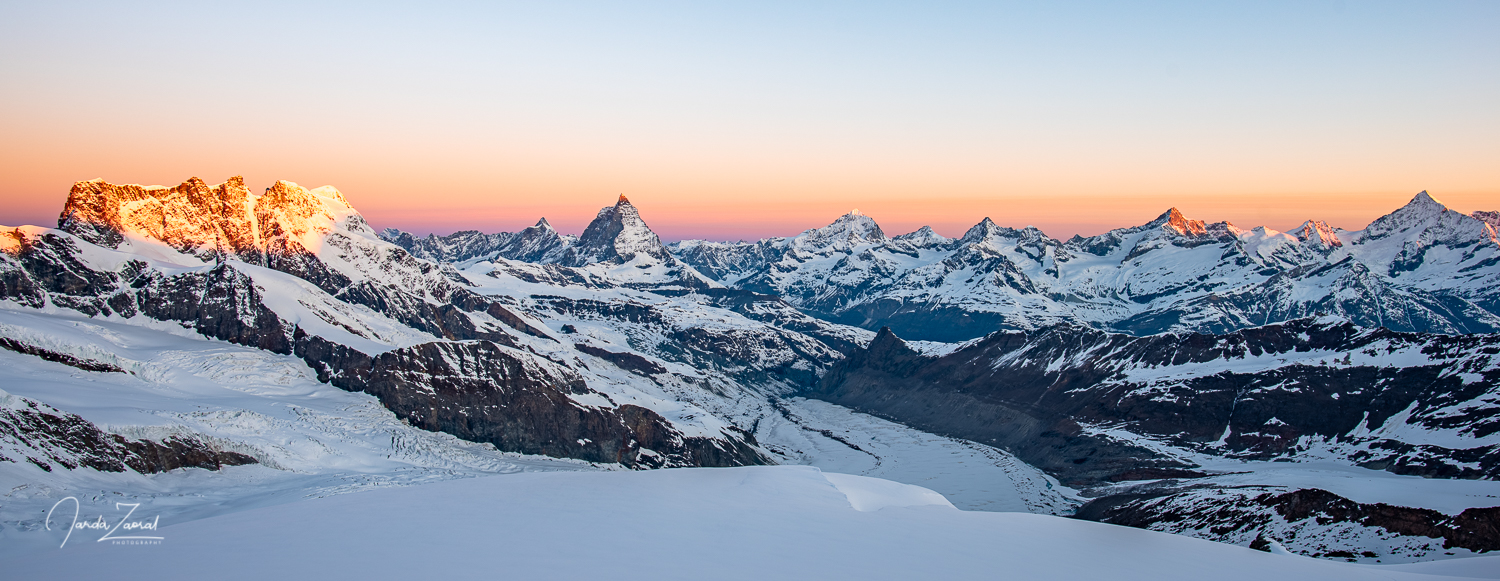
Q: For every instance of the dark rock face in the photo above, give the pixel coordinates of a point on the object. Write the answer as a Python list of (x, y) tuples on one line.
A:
[(147, 457), (51, 439), (55, 357), (1301, 519), (627, 361), (51, 264), (222, 303), (480, 392), (920, 320), (1031, 392)]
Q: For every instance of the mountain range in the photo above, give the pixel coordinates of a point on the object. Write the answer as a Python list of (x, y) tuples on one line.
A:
[(1334, 393), (1421, 268)]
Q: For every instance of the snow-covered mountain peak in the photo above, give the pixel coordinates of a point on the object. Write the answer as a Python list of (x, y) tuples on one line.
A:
[(1422, 206), (1318, 233), (1426, 221), (197, 218), (544, 225), (188, 216), (923, 237), (1173, 220), (1425, 199), (292, 210), (849, 230), (617, 233), (985, 230)]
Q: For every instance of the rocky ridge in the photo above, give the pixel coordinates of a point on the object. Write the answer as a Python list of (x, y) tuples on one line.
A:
[(52, 439), (1421, 268)]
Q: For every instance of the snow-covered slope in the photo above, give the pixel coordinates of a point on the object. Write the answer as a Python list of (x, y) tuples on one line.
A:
[(154, 387), (1421, 268), (740, 523)]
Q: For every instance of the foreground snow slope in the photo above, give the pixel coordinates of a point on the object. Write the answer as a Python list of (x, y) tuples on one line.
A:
[(735, 523)]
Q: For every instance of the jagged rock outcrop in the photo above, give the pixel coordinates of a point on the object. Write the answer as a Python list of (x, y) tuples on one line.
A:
[(55, 357), (1307, 521), (482, 392), (51, 439), (539, 243)]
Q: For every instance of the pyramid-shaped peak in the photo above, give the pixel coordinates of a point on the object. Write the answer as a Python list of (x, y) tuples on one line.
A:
[(985, 229), (1171, 214), (856, 212), (1173, 220), (616, 233), (1424, 199), (543, 224)]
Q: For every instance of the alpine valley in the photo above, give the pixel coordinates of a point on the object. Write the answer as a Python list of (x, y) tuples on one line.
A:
[(224, 360)]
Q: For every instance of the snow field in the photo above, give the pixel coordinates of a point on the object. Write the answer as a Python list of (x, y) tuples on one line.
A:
[(725, 523)]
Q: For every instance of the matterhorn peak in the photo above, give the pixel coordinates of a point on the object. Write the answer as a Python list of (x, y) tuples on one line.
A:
[(616, 233), (543, 224)]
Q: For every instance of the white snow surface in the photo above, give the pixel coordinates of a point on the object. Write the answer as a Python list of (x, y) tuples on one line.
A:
[(971, 475), (724, 523), (310, 438)]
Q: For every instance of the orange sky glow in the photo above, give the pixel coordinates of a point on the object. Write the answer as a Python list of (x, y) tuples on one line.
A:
[(742, 122)]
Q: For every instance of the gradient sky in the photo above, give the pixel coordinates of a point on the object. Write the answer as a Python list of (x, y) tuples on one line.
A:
[(752, 119)]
